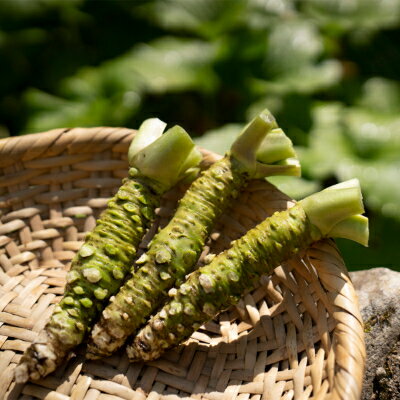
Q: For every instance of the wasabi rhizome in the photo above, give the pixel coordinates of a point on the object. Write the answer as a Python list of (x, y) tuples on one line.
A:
[(107, 255), (262, 149), (333, 212)]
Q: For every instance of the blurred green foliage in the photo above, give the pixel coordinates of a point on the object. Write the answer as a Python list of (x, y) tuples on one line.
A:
[(328, 70)]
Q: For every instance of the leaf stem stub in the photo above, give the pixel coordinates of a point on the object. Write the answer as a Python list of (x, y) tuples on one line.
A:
[(336, 210), (275, 147), (150, 130), (354, 228), (245, 146), (167, 158), (263, 149)]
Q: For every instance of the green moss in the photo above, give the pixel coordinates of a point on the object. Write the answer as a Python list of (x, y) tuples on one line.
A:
[(381, 319)]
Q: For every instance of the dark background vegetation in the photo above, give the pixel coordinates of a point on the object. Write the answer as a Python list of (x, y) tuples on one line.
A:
[(328, 69)]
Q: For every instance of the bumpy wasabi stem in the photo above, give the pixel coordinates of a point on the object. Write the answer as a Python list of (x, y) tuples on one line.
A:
[(218, 285), (106, 257), (174, 251)]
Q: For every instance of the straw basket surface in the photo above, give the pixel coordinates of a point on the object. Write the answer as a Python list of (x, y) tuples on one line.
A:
[(297, 336)]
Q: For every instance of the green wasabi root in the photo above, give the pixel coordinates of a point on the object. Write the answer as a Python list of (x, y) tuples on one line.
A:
[(106, 257), (174, 251), (96, 274), (220, 284)]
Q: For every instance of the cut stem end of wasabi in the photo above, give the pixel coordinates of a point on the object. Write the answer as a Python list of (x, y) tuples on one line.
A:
[(334, 204), (264, 149), (167, 159), (249, 140), (150, 130), (275, 147), (288, 167), (353, 228)]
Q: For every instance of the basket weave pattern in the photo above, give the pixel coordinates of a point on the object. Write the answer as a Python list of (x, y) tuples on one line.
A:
[(298, 335)]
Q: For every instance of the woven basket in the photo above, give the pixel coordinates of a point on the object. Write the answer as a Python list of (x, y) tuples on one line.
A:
[(297, 336)]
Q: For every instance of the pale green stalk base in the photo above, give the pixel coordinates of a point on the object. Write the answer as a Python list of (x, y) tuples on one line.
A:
[(150, 130), (265, 150), (275, 147), (334, 204), (245, 147), (168, 158), (353, 228)]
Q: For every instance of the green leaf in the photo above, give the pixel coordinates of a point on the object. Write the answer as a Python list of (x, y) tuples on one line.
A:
[(49, 112), (355, 14), (379, 184), (111, 93), (306, 80), (328, 146), (172, 64), (292, 46), (382, 95), (373, 134), (207, 18)]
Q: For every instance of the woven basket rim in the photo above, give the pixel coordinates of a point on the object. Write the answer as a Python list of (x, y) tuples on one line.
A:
[(53, 142), (72, 141)]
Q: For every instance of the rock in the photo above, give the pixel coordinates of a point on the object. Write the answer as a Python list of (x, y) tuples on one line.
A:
[(378, 291)]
